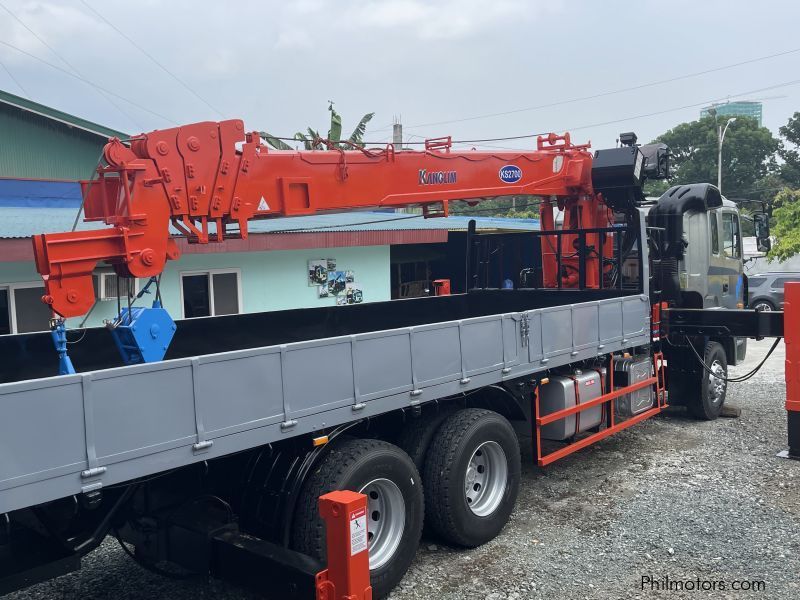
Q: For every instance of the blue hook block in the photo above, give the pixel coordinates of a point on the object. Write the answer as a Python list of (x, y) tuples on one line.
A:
[(143, 334)]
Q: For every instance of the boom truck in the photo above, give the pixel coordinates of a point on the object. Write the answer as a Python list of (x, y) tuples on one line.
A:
[(206, 443)]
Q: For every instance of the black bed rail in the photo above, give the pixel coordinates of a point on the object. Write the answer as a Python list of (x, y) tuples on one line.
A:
[(492, 259)]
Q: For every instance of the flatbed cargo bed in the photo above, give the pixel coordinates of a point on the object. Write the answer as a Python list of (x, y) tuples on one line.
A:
[(237, 382)]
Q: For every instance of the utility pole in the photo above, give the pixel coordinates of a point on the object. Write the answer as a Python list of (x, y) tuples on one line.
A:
[(719, 157), (397, 134), (720, 138)]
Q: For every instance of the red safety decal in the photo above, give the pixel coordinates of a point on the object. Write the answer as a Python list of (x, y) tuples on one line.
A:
[(358, 531)]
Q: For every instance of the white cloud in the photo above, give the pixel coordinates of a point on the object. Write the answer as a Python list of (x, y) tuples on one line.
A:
[(293, 38), (444, 19), (275, 63), (55, 22)]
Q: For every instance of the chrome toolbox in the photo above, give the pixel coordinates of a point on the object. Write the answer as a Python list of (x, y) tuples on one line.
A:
[(629, 371), (560, 393)]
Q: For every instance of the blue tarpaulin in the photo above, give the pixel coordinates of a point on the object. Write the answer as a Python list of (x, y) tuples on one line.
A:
[(27, 193)]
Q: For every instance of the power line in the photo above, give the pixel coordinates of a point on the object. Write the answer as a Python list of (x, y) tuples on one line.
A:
[(422, 143), (406, 217), (757, 190), (71, 66), (650, 114), (696, 104), (152, 58), (339, 225), (14, 79), (606, 93), (79, 78), (589, 126)]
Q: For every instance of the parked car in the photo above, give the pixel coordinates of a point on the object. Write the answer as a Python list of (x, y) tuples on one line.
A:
[(766, 289)]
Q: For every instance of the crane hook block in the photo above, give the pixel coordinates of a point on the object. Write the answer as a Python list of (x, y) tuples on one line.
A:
[(143, 334)]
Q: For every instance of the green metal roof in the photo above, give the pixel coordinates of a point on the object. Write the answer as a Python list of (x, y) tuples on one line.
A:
[(57, 115)]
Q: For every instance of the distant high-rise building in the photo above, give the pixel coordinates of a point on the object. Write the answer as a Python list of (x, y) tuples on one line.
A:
[(742, 108)]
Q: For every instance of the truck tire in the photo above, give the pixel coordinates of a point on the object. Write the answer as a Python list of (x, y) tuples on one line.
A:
[(416, 436), (708, 395), (471, 477), (395, 505)]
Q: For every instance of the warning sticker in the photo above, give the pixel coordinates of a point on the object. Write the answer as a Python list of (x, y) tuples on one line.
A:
[(263, 204), (358, 531)]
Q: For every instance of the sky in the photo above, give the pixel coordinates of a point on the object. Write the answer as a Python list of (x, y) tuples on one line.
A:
[(440, 67)]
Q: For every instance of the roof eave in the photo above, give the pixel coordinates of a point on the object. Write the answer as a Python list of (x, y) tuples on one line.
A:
[(59, 116)]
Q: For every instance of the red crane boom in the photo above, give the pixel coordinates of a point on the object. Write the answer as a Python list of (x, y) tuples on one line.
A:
[(210, 179)]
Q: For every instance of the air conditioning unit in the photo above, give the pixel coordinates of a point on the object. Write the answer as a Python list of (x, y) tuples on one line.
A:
[(110, 286)]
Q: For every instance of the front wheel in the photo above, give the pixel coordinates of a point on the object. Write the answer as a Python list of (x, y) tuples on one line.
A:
[(395, 506), (706, 402), (471, 476), (763, 305)]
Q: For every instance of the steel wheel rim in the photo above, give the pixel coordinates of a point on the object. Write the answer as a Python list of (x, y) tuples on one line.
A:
[(486, 479), (763, 306), (716, 383), (386, 520)]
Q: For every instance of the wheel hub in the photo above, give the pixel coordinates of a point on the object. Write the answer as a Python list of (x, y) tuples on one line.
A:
[(716, 382), (486, 479), (386, 520)]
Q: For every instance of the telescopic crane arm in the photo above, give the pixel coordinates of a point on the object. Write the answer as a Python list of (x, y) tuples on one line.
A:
[(210, 179)]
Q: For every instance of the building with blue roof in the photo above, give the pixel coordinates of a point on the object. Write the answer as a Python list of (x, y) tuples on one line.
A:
[(379, 254)]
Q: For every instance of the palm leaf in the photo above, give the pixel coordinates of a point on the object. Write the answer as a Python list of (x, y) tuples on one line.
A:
[(335, 132), (301, 137), (273, 141), (357, 137), (314, 135)]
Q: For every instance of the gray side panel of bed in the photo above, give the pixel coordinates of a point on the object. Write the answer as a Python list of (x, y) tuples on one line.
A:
[(65, 435)]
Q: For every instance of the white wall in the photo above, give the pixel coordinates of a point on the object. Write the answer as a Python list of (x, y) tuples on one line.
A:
[(273, 280)]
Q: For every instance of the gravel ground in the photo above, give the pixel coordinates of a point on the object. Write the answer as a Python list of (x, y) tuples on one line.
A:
[(670, 497)]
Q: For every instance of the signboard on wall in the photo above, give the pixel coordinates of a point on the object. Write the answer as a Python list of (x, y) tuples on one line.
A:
[(332, 282)]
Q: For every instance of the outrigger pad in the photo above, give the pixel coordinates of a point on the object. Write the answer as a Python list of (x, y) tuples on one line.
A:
[(144, 334)]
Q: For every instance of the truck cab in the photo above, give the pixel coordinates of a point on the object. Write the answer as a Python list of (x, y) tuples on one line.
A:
[(698, 258), (712, 265)]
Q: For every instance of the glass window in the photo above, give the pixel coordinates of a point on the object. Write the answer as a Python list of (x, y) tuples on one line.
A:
[(779, 283), (226, 293), (213, 293), (30, 312), (754, 282), (712, 218), (731, 242), (196, 299), (5, 314)]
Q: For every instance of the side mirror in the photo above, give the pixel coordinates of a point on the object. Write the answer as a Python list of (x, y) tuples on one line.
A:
[(656, 160), (761, 225)]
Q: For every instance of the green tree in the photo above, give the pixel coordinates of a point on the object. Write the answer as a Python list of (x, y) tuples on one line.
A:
[(518, 207), (748, 154), (790, 169), (312, 140), (787, 224)]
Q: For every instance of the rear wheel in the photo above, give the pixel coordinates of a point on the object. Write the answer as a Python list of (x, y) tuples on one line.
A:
[(472, 473), (417, 435), (395, 506)]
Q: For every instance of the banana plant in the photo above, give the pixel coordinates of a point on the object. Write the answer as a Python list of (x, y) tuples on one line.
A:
[(312, 140)]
